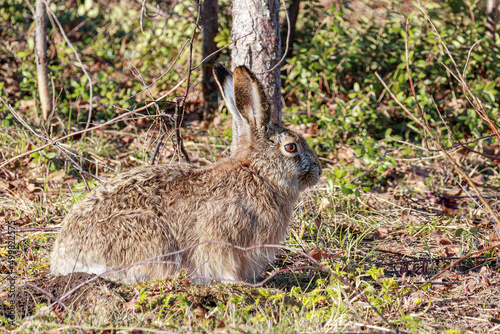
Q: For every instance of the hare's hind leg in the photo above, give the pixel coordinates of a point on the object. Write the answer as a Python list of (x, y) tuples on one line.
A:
[(219, 263), (64, 261), (128, 246)]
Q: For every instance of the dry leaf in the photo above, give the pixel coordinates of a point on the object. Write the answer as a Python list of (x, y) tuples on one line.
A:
[(57, 176), (315, 254), (30, 187), (380, 233), (405, 212), (199, 311), (451, 251), (448, 204), (325, 203), (318, 220), (185, 282), (478, 180), (220, 328), (25, 104), (131, 306), (444, 240)]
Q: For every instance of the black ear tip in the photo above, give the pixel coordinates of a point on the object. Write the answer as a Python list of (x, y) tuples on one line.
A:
[(220, 71), (217, 66)]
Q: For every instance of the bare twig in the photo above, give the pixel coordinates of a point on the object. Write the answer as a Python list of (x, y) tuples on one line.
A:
[(63, 150), (33, 229), (180, 105), (451, 148), (475, 103), (444, 151), (425, 126), (219, 50), (80, 63), (454, 263), (166, 72), (56, 300), (410, 80), (156, 149), (460, 144), (114, 120)]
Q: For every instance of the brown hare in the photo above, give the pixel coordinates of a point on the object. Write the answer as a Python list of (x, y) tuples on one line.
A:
[(124, 226)]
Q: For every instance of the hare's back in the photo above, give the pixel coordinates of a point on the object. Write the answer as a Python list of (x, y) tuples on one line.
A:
[(126, 220), (146, 187)]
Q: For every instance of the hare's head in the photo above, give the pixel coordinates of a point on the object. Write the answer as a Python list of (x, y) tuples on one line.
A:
[(266, 147)]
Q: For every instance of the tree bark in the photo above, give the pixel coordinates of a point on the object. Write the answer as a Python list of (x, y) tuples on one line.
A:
[(491, 17), (210, 28), (41, 59), (293, 13), (257, 44)]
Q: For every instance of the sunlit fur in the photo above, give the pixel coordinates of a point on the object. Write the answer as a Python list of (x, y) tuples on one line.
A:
[(244, 200)]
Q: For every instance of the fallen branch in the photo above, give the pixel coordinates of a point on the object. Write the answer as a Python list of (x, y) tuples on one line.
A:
[(454, 263)]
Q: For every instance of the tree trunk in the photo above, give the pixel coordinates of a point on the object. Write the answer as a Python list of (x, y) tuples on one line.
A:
[(210, 27), (293, 13), (491, 17), (257, 44), (41, 59)]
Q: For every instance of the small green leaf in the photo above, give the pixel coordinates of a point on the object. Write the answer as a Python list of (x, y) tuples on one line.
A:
[(88, 5), (23, 54), (344, 190), (31, 43)]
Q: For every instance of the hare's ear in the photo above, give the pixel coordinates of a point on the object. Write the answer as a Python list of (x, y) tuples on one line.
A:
[(224, 80), (251, 101)]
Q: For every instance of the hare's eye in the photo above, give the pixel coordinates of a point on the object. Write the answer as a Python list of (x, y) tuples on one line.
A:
[(291, 147)]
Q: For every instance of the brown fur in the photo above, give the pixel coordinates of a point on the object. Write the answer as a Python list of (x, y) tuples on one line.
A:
[(244, 200)]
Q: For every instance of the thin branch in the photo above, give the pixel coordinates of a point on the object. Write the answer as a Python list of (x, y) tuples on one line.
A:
[(32, 229), (114, 120), (156, 150), (454, 263), (410, 80), (89, 79), (181, 103), (56, 300), (476, 103), (219, 50), (63, 150), (166, 72), (443, 150)]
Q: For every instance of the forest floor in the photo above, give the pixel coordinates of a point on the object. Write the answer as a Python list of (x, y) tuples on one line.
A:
[(390, 244)]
